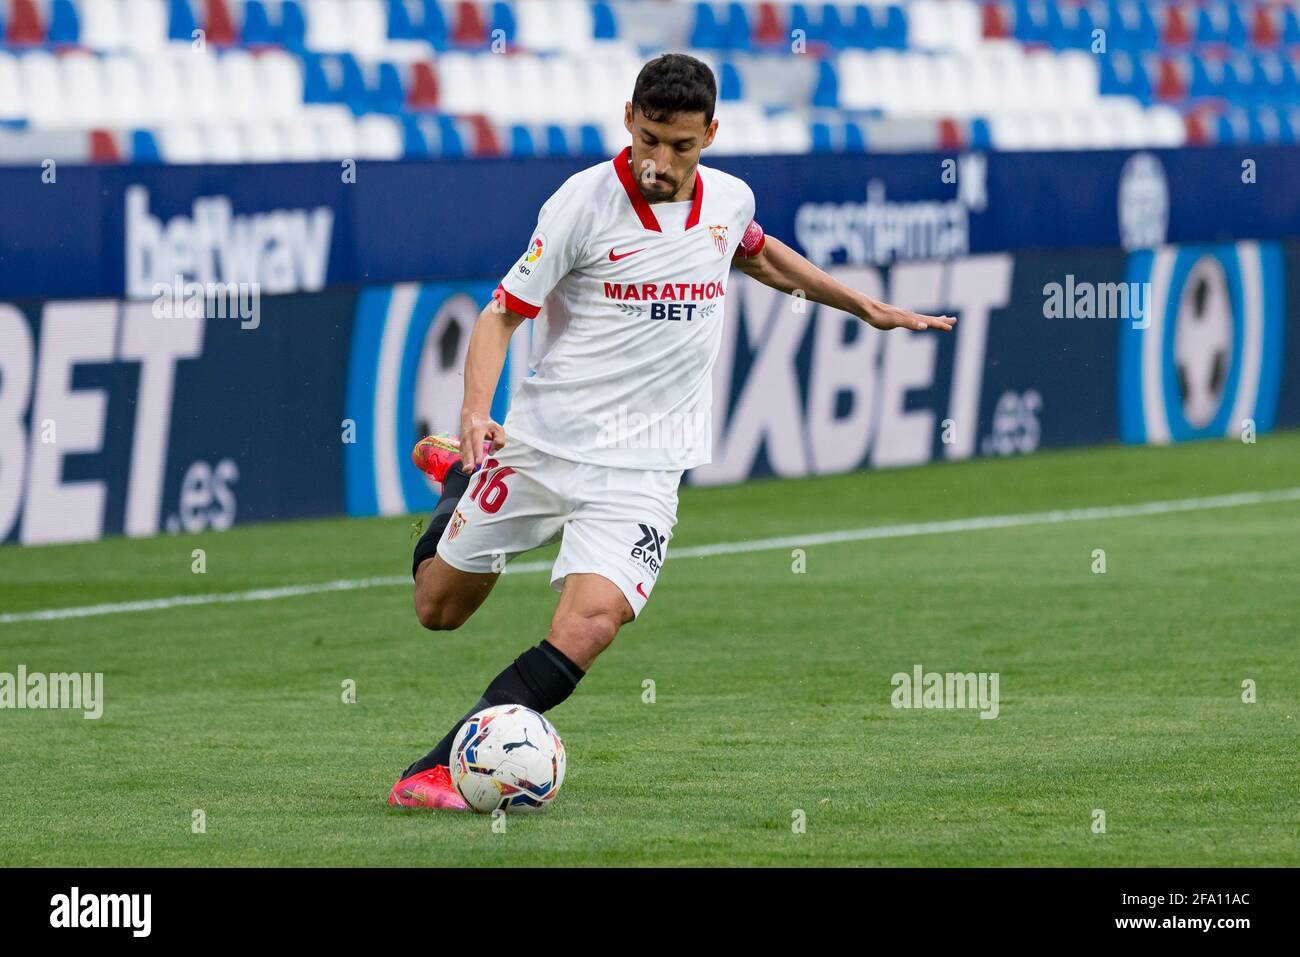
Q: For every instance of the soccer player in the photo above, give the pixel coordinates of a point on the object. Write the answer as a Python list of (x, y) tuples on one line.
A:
[(625, 279)]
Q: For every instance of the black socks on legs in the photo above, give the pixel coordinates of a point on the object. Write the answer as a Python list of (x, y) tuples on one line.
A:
[(541, 678), (454, 485)]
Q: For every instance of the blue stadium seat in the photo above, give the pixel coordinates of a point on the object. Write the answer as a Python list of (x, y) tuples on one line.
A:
[(352, 90), (705, 32), (503, 19), (293, 25), (258, 30), (1209, 77), (400, 26), (855, 141), (557, 143), (521, 141), (388, 95), (604, 25), (834, 33), (861, 32), (590, 140), (144, 148), (1291, 26), (981, 137), (803, 25), (827, 91), (317, 87), (821, 138), (414, 144), (180, 20), (450, 143), (729, 86), (894, 34), (434, 27), (65, 28)]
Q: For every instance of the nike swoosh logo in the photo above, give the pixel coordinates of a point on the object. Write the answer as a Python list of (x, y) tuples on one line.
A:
[(641, 591), (615, 258)]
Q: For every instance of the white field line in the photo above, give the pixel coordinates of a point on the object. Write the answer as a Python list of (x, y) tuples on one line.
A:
[(979, 523)]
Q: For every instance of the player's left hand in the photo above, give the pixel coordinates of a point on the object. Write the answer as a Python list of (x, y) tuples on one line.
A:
[(884, 316)]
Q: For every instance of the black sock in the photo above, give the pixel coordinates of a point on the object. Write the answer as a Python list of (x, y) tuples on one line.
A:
[(541, 678), (454, 485)]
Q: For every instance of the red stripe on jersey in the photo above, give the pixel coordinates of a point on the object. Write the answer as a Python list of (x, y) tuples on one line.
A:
[(694, 218), (515, 304), (751, 244), (623, 168)]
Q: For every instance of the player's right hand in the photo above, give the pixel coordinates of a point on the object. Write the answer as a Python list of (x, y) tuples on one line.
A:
[(475, 430)]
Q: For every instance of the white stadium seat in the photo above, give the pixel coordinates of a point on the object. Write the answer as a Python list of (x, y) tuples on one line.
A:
[(180, 143), (144, 24), (103, 24), (379, 137), (279, 79), (41, 87), (11, 100)]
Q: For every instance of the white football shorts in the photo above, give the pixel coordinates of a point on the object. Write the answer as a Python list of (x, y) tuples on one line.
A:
[(612, 522)]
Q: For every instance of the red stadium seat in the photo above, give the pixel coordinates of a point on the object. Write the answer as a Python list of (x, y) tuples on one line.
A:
[(950, 135), (486, 142), (424, 87), (1176, 31), (220, 26), (1264, 29), (25, 23), (768, 31), (471, 29), (996, 23), (1171, 84), (104, 148)]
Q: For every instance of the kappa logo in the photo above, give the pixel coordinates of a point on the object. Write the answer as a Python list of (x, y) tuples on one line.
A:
[(649, 549)]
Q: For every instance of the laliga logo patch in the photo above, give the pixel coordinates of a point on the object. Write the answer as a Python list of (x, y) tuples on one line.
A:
[(534, 253), (1210, 356), (719, 234)]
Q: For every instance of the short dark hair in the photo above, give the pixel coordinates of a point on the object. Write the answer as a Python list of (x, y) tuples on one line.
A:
[(675, 83)]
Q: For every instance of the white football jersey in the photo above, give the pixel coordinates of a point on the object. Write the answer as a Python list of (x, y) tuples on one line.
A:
[(627, 300)]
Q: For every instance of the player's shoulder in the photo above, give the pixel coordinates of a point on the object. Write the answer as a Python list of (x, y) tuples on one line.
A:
[(725, 181), (590, 185), (732, 189)]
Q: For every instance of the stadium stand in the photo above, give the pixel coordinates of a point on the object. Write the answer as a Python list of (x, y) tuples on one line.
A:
[(189, 81)]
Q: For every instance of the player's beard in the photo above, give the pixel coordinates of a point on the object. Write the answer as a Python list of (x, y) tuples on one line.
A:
[(660, 189)]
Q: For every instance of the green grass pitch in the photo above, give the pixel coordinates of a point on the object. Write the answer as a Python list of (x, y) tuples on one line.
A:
[(1120, 692)]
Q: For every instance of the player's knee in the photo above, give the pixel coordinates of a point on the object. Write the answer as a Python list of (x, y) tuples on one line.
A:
[(592, 632), (438, 615)]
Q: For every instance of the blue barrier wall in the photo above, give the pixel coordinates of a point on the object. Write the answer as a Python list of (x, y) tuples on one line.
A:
[(391, 222), (114, 420)]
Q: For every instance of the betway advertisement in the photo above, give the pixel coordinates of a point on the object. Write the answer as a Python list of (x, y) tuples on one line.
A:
[(236, 358)]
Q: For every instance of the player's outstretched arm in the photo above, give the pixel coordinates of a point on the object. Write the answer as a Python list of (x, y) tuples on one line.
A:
[(779, 266), (484, 360)]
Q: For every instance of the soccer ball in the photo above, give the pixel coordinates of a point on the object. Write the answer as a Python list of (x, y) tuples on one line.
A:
[(507, 757)]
